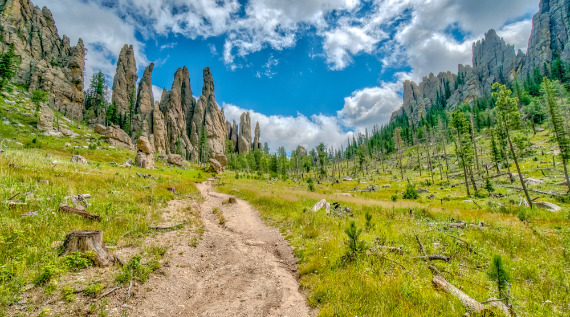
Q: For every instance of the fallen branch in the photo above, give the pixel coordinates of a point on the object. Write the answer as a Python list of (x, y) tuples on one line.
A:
[(439, 257), (112, 290), (536, 191), (69, 209), (129, 289), (16, 195), (166, 227), (454, 237), (434, 269)]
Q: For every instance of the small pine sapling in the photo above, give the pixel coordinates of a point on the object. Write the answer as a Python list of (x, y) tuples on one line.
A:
[(500, 275), (354, 244), (369, 224)]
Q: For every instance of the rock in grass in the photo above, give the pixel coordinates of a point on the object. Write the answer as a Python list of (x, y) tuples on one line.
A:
[(533, 181), (319, 205), (548, 206), (78, 159), (45, 122), (175, 159)]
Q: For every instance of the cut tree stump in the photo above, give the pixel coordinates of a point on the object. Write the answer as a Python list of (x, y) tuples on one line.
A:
[(84, 241), (80, 212)]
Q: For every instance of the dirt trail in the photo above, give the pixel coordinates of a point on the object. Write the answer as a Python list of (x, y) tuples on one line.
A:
[(244, 268)]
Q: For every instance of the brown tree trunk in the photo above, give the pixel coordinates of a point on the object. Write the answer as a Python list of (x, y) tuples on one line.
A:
[(519, 171), (84, 241)]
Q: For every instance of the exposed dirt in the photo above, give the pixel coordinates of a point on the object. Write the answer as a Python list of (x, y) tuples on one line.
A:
[(240, 268)]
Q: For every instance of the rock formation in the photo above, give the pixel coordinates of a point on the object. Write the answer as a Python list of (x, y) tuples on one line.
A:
[(125, 80), (46, 119), (301, 151), (493, 61), (244, 140), (256, 141), (144, 106), (144, 158), (159, 130), (48, 62), (115, 136)]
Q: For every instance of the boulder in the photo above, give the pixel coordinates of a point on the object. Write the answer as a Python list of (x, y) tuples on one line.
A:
[(144, 145), (101, 129), (175, 159), (423, 190), (46, 119), (78, 159), (548, 206), (144, 160), (533, 181), (319, 205), (215, 166), (117, 137)]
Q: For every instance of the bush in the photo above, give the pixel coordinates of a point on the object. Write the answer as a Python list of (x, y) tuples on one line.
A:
[(354, 244), (311, 185), (480, 194), (46, 274), (93, 290), (411, 192), (136, 270), (394, 198), (489, 186), (369, 224), (78, 260)]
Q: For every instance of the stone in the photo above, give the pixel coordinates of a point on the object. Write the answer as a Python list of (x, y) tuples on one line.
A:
[(423, 190), (244, 139), (144, 145), (386, 186), (9, 102), (144, 160), (548, 206), (125, 80), (99, 128), (319, 205), (159, 130), (46, 119), (301, 151), (144, 107), (214, 118), (117, 137), (215, 166), (78, 159), (177, 105), (175, 159)]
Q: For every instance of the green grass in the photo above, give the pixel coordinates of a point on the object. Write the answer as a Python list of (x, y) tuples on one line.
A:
[(372, 284), (126, 203)]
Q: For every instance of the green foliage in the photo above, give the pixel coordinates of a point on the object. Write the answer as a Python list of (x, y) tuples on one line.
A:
[(499, 274), (39, 96), (394, 198), (96, 96), (311, 184), (136, 270), (355, 245), (553, 100), (68, 294), (78, 260), (410, 192), (8, 65), (369, 225), (93, 290), (46, 274), (489, 186)]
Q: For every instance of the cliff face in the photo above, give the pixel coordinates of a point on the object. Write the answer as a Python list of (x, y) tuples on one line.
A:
[(125, 80), (494, 61), (48, 62)]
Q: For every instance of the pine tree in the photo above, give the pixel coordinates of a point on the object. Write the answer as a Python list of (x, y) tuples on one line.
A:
[(551, 100), (463, 149), (509, 119), (9, 62), (500, 275)]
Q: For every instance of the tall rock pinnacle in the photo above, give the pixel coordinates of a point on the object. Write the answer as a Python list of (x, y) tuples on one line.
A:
[(124, 83), (244, 141)]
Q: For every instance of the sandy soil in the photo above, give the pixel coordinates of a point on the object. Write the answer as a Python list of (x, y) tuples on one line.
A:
[(242, 268)]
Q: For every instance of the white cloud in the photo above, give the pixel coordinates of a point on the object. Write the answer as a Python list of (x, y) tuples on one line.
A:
[(517, 33), (102, 31), (289, 131), (156, 92), (371, 106), (341, 43)]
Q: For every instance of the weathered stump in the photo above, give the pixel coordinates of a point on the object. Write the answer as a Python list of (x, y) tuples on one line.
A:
[(84, 241)]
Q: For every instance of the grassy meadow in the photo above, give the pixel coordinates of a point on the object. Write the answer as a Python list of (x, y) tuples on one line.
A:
[(36, 175)]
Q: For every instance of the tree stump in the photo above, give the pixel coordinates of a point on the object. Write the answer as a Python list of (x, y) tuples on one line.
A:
[(84, 241)]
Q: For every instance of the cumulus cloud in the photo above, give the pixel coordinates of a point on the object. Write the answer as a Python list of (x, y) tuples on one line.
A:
[(289, 131), (103, 33)]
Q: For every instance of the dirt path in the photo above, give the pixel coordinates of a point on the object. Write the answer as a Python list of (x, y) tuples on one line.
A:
[(242, 268)]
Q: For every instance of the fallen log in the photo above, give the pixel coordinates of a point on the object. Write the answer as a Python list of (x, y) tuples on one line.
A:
[(73, 210), (439, 257), (536, 191), (465, 299)]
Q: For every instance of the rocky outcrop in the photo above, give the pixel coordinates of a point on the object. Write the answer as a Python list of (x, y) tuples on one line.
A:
[(175, 105), (493, 61), (214, 120), (215, 166), (125, 80), (175, 159), (244, 140), (159, 130), (549, 37), (48, 62), (144, 158), (144, 106), (256, 140), (78, 159), (115, 136), (46, 119)]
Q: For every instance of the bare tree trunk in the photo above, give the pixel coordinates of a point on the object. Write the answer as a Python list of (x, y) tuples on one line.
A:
[(519, 170)]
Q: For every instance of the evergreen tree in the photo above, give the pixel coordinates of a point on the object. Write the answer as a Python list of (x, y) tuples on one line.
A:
[(463, 149), (9, 62), (203, 146), (509, 119), (399, 147), (95, 101), (552, 101)]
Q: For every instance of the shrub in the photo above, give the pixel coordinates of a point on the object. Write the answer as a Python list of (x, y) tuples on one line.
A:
[(311, 185), (355, 245), (136, 270), (499, 275), (394, 198), (78, 260), (411, 192), (368, 218), (93, 290), (46, 274), (480, 194), (489, 186)]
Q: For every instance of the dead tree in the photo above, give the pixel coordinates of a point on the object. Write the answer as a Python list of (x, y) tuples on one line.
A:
[(85, 241)]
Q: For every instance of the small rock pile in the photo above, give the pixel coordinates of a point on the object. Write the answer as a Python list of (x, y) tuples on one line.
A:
[(144, 158)]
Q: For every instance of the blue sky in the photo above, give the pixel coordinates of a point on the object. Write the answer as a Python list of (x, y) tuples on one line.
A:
[(308, 70)]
